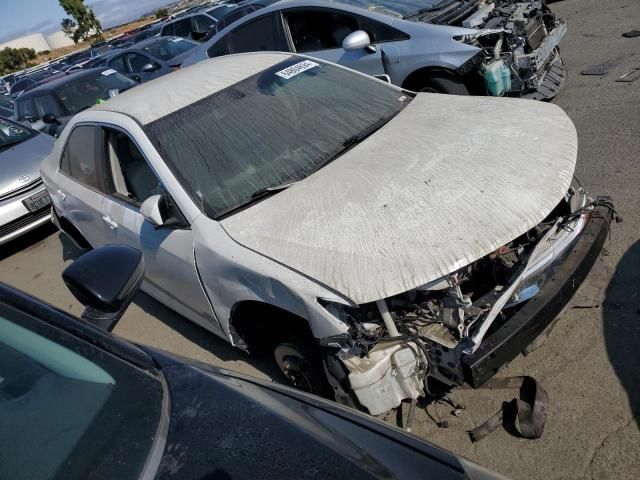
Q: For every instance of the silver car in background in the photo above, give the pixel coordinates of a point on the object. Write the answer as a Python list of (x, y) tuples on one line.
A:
[(480, 47), (24, 203)]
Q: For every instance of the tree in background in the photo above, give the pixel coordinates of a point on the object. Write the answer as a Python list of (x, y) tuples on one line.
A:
[(14, 59), (68, 27), (162, 12), (87, 23)]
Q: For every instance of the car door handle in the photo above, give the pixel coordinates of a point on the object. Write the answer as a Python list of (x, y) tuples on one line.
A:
[(112, 225), (62, 195)]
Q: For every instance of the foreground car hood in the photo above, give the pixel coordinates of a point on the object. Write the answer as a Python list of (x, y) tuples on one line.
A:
[(20, 164), (225, 427), (446, 182)]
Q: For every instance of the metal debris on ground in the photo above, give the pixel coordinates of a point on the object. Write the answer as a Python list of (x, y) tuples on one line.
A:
[(601, 69), (630, 76), (524, 417), (631, 34)]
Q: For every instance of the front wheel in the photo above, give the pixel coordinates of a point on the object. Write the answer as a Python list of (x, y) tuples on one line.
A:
[(443, 83), (301, 367)]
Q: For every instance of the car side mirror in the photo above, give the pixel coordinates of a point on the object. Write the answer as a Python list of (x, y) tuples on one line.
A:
[(105, 280), (49, 118), (358, 40), (149, 67), (153, 209)]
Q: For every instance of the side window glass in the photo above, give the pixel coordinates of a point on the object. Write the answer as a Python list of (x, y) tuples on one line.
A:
[(182, 28), (258, 35), (26, 109), (167, 30), (131, 175), (220, 48), (81, 153), (137, 62), (118, 64), (320, 29), (380, 32), (47, 104), (202, 23)]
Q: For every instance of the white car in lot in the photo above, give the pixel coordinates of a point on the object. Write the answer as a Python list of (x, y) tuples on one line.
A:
[(367, 237)]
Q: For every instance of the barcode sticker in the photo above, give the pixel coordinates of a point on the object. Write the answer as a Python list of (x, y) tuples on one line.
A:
[(296, 69)]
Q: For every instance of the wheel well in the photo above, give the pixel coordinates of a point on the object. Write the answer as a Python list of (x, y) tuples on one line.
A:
[(414, 81), (72, 232), (258, 327)]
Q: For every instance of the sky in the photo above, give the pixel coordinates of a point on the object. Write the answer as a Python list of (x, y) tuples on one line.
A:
[(21, 17)]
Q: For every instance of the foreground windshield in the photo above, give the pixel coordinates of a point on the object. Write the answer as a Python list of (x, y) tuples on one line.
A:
[(69, 409), (12, 133), (275, 127), (166, 49), (396, 8), (89, 90)]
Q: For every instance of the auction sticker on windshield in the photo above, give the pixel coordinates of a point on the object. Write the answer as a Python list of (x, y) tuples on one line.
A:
[(111, 71), (294, 70)]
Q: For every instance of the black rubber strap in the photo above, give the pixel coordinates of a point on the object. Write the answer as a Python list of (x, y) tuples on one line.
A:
[(530, 409)]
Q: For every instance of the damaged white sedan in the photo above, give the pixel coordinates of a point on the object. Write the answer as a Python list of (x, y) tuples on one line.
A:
[(369, 238)]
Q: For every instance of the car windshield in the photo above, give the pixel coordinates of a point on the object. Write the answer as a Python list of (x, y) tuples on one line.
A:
[(69, 409), (89, 90), (273, 128), (169, 47), (396, 8), (13, 133)]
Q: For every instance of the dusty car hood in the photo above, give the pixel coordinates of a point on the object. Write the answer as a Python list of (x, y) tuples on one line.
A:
[(447, 181), (20, 164)]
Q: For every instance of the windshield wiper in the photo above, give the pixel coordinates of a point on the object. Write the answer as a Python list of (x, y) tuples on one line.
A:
[(254, 197), (269, 190), (437, 6), (355, 139)]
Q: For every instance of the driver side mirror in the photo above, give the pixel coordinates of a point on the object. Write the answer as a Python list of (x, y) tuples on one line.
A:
[(161, 213), (152, 209), (105, 280), (358, 40), (50, 118), (149, 67)]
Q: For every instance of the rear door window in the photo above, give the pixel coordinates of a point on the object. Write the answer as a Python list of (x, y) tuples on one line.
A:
[(262, 34), (47, 104), (26, 109), (202, 23), (80, 157), (182, 28), (137, 62), (167, 30), (118, 64), (220, 48)]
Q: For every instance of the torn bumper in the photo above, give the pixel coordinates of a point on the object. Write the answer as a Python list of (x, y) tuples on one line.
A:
[(508, 341)]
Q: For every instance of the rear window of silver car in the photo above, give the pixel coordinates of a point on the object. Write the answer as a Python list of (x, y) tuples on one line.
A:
[(274, 127)]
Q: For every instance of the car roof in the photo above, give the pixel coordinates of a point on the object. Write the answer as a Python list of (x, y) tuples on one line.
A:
[(52, 85), (149, 101)]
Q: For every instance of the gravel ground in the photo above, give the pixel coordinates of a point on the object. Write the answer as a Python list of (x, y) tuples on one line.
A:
[(589, 365)]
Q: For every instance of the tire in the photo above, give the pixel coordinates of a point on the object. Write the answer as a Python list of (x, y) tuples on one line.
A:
[(302, 367), (443, 83)]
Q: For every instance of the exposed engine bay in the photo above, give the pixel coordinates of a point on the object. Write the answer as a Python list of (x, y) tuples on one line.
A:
[(398, 344), (519, 42)]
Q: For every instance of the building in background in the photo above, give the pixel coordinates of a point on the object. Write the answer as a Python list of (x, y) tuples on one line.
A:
[(58, 40), (34, 40)]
